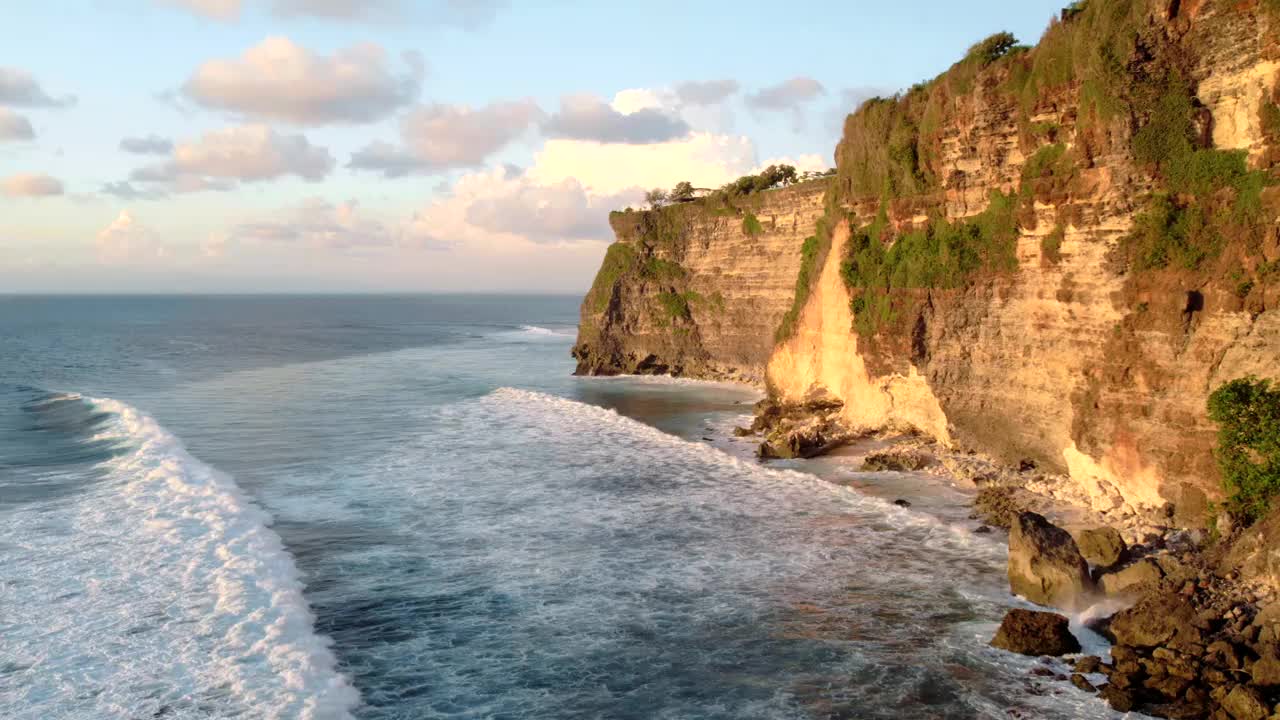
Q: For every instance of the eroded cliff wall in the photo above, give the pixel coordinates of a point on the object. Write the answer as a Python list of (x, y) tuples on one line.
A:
[(697, 289), (1052, 255)]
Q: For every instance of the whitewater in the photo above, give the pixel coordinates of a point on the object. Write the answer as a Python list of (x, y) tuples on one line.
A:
[(407, 508)]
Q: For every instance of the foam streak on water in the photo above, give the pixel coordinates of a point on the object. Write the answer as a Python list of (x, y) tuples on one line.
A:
[(160, 591)]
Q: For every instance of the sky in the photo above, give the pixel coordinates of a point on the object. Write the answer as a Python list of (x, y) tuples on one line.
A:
[(414, 145)]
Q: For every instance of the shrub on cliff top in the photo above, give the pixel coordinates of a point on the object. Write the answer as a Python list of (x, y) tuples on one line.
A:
[(1248, 415)]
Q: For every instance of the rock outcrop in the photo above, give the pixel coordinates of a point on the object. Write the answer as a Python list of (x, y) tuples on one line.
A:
[(1045, 565), (1030, 632)]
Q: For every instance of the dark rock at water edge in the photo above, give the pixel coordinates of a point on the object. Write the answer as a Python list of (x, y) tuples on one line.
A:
[(1032, 632), (1045, 566)]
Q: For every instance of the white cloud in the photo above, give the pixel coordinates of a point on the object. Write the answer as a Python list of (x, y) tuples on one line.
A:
[(801, 163), (704, 159), (247, 153), (586, 117), (14, 126), (440, 137), (31, 185), (280, 80), (19, 89), (550, 213), (319, 224), (126, 240)]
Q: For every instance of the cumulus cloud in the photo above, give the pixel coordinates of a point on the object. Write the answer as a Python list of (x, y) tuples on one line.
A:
[(18, 88), (554, 212), (705, 159), (498, 207), (280, 80), (319, 224), (707, 92), (14, 126), (126, 240), (149, 145), (31, 185), (586, 117), (219, 159), (439, 137)]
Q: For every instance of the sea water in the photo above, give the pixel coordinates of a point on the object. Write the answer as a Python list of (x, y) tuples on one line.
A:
[(407, 507)]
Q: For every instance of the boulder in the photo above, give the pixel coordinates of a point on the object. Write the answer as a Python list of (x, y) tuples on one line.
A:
[(1158, 619), (1266, 671), (1119, 700), (1244, 703), (1031, 632), (1045, 566), (1130, 580), (1102, 546)]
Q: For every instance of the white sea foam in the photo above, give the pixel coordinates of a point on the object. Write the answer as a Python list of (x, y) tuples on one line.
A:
[(160, 591), (545, 332)]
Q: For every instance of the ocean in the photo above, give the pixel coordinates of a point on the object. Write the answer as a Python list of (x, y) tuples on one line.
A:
[(407, 507)]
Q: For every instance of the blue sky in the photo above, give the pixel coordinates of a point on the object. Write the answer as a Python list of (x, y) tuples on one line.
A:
[(495, 135)]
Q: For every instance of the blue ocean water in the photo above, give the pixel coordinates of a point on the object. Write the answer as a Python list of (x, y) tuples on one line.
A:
[(407, 507)]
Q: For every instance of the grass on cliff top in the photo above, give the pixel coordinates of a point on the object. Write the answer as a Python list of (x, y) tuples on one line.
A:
[(1247, 412)]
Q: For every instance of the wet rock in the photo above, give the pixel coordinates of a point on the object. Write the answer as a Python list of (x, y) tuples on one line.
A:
[(743, 432), (902, 503), (1130, 580), (1045, 565), (1101, 547), (982, 530), (1244, 703), (1082, 682), (997, 506), (1119, 699), (896, 461), (1157, 619), (1032, 632), (1088, 664)]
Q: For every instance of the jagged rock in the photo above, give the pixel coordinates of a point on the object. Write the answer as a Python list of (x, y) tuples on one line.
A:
[(1119, 699), (1031, 632), (1130, 580), (996, 506), (1088, 664), (1156, 620), (896, 461), (1045, 565), (1244, 703), (1266, 671), (743, 432), (1101, 547), (1082, 682)]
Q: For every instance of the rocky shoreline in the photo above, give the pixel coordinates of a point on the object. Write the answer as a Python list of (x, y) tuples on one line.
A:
[(1190, 613)]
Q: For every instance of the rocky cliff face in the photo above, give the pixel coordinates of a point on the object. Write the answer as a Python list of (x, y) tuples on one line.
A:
[(1129, 265), (697, 290)]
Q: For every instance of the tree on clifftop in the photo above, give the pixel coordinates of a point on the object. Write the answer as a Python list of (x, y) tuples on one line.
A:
[(682, 192), (656, 198)]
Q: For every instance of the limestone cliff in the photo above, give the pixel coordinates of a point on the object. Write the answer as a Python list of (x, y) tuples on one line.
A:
[(1051, 254), (697, 289)]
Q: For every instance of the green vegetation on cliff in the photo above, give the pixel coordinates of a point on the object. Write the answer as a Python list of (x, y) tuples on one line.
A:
[(1248, 415), (1129, 84)]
